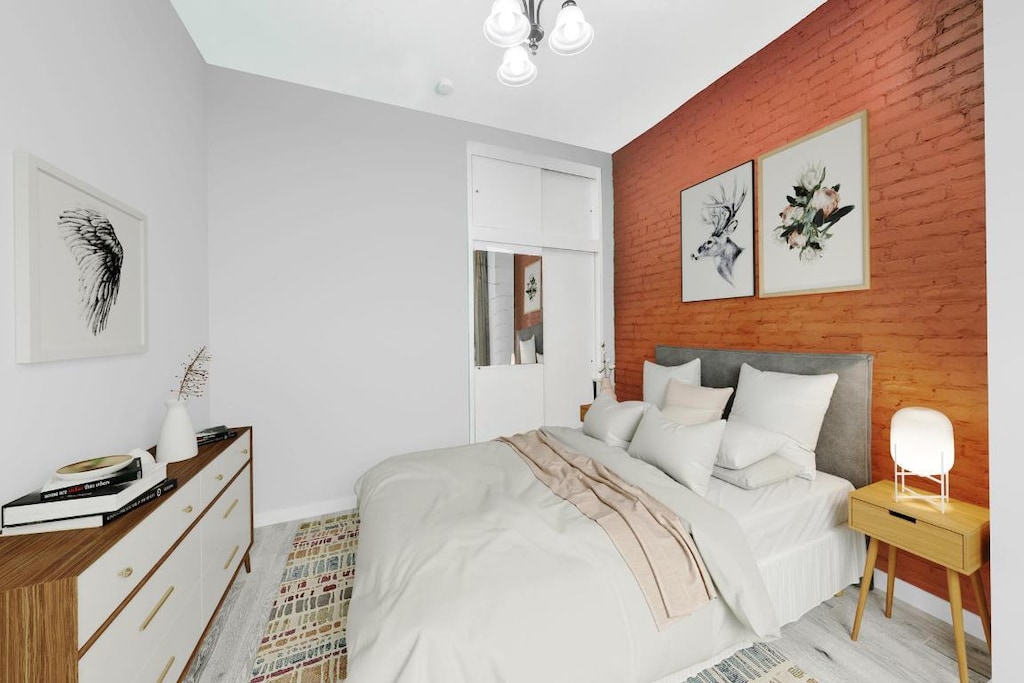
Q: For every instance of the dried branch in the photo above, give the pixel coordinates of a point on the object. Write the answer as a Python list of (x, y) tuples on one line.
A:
[(193, 380)]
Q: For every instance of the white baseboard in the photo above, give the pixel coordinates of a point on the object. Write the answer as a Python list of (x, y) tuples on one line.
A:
[(930, 604), (316, 509)]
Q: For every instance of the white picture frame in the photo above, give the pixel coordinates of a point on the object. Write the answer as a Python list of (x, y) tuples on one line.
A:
[(795, 256), (80, 268), (716, 228)]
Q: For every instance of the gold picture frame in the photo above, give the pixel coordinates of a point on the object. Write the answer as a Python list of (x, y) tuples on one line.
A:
[(814, 228)]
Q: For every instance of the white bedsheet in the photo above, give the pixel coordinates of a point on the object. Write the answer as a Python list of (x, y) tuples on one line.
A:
[(784, 515)]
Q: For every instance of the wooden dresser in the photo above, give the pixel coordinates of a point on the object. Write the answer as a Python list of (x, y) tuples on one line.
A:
[(131, 600)]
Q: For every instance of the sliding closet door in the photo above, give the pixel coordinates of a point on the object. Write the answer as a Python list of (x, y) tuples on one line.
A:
[(569, 326), (544, 214)]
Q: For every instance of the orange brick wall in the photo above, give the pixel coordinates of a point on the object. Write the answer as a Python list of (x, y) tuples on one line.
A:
[(916, 67)]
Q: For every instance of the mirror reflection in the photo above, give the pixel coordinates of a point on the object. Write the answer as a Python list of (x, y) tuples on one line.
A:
[(508, 311)]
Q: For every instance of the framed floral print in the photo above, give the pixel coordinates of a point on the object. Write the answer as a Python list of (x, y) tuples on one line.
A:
[(813, 222), (531, 287)]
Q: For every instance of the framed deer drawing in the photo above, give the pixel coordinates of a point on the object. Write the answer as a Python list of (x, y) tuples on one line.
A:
[(716, 219), (813, 229)]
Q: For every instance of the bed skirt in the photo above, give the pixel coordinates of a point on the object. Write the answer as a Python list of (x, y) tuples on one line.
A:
[(798, 580), (801, 578)]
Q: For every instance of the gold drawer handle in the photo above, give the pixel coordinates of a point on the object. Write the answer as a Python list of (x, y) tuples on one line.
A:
[(126, 572), (167, 667), (245, 451), (219, 477), (188, 510), (233, 553), (156, 609), (231, 508)]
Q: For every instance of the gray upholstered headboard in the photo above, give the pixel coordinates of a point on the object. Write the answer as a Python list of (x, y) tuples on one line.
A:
[(844, 444)]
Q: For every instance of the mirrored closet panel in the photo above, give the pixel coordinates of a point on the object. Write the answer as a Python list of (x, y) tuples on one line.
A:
[(508, 308)]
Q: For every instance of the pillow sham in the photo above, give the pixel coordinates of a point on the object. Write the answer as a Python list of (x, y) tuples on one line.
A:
[(684, 452), (744, 444), (764, 472), (528, 351), (611, 421), (794, 405), (690, 405), (656, 379)]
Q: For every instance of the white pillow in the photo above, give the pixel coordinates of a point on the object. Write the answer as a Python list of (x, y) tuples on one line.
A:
[(744, 444), (656, 379), (611, 421), (764, 472), (528, 351), (690, 405), (794, 405), (684, 452)]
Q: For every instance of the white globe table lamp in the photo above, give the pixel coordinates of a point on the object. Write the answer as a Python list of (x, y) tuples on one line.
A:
[(921, 445)]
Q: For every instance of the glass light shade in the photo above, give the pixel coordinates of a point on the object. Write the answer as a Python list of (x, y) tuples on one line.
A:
[(516, 68), (507, 25), (921, 441), (572, 34)]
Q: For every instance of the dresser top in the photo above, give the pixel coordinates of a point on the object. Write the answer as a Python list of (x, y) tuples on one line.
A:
[(36, 558)]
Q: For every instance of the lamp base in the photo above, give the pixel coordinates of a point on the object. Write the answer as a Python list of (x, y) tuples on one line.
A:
[(903, 492)]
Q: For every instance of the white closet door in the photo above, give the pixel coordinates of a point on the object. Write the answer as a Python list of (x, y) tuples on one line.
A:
[(506, 195), (569, 205), (509, 400), (568, 295)]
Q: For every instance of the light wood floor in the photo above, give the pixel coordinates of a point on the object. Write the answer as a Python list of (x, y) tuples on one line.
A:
[(912, 647)]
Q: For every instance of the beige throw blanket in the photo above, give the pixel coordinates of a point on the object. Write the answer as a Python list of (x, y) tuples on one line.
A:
[(652, 539)]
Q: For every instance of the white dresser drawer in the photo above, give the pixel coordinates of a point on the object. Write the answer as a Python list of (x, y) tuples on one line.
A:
[(109, 580), (226, 534), (168, 662), (218, 473), (145, 622)]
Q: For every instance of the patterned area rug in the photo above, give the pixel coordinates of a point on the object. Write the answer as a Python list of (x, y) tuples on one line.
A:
[(304, 640), (758, 663)]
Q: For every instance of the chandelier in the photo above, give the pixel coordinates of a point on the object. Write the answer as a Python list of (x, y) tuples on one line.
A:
[(515, 26)]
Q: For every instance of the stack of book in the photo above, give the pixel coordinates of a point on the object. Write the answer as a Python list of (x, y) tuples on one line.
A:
[(61, 504), (212, 434)]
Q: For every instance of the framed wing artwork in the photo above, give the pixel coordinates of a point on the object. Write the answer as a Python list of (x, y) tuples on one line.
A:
[(80, 268), (717, 234)]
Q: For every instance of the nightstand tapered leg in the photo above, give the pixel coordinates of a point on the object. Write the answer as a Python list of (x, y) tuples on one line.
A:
[(957, 609), (890, 583), (865, 585), (979, 597)]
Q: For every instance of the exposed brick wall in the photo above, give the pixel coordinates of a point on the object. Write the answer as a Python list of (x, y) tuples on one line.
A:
[(916, 67)]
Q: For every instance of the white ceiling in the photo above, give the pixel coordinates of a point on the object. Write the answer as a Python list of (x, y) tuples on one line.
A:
[(648, 56)]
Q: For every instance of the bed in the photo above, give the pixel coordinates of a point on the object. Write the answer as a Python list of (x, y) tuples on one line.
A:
[(471, 570)]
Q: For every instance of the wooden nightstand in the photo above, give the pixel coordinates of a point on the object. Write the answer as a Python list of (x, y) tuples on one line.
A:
[(956, 539), (583, 410)]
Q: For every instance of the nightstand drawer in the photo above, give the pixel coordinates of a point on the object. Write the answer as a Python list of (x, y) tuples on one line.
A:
[(908, 533)]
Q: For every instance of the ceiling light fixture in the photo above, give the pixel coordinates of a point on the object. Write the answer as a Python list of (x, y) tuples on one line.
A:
[(515, 25)]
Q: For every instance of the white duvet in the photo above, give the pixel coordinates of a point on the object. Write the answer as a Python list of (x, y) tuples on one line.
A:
[(469, 570)]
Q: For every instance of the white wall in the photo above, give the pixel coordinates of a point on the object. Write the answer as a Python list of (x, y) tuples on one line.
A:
[(501, 305), (1004, 177), (339, 262), (110, 91)]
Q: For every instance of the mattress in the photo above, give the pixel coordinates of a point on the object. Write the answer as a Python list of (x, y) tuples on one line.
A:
[(784, 515)]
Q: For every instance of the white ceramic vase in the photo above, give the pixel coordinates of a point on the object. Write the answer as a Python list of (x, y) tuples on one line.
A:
[(177, 436)]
